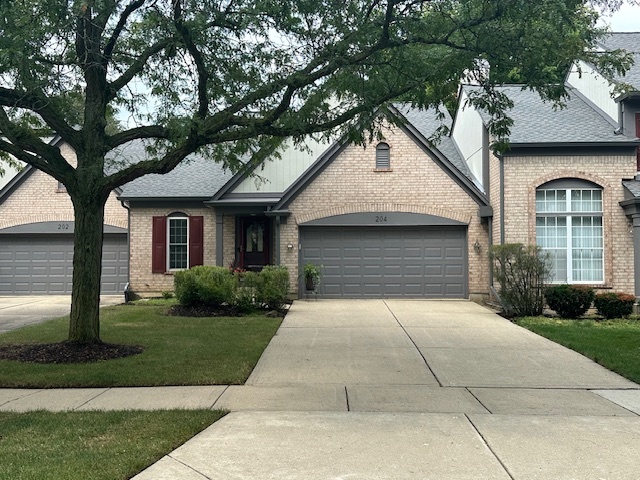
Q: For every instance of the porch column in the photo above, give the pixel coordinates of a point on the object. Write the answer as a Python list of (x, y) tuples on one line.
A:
[(276, 258), (219, 239)]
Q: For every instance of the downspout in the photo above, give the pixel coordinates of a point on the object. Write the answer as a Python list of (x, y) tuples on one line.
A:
[(501, 160), (127, 294), (490, 225)]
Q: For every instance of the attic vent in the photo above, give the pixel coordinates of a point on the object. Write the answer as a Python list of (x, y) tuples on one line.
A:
[(383, 159)]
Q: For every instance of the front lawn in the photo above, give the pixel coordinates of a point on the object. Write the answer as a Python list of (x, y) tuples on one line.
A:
[(177, 350), (614, 344), (92, 445)]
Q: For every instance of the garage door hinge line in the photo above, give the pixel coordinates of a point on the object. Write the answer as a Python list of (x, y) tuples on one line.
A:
[(414, 344)]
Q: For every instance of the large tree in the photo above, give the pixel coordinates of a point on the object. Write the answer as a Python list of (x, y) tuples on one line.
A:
[(235, 77)]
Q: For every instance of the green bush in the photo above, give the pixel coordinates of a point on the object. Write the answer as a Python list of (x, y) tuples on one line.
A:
[(205, 285), (521, 272), (273, 287), (569, 301), (614, 305), (246, 285)]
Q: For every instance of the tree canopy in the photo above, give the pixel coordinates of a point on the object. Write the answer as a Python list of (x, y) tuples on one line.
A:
[(236, 77)]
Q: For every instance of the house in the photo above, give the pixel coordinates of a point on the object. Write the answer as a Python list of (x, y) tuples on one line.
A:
[(407, 216), (36, 235)]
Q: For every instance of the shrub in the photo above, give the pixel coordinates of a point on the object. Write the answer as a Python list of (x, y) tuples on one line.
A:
[(614, 305), (273, 287), (521, 272), (205, 285), (569, 301), (246, 284), (167, 295)]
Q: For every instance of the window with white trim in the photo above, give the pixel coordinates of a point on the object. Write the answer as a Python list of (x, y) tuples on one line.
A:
[(178, 243), (569, 227)]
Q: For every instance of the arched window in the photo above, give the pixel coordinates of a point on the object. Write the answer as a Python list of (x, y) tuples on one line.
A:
[(569, 227), (383, 159), (177, 242)]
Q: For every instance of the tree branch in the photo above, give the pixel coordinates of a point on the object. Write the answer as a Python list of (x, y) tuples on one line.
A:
[(151, 131), (137, 66), (41, 105), (27, 147), (122, 22), (203, 75)]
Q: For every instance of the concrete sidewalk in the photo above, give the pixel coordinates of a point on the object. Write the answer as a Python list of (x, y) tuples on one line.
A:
[(396, 390)]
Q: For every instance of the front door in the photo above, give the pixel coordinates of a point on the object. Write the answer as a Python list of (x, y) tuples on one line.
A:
[(255, 247)]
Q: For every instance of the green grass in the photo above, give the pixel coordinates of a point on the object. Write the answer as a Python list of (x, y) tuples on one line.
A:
[(92, 445), (614, 344), (178, 350)]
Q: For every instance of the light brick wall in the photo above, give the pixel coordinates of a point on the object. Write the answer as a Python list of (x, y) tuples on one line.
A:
[(141, 279), (416, 184), (494, 191), (38, 199), (229, 240), (524, 174)]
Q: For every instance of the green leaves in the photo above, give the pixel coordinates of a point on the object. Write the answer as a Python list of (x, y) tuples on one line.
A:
[(216, 72)]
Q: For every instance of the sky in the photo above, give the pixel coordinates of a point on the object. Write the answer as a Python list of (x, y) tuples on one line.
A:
[(627, 19)]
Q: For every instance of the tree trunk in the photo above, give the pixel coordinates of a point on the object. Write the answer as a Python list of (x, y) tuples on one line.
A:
[(84, 325)]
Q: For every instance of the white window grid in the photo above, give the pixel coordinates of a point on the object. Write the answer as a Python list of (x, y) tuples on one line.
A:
[(178, 243), (569, 227)]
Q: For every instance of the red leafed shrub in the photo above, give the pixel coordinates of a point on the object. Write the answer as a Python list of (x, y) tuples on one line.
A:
[(614, 304)]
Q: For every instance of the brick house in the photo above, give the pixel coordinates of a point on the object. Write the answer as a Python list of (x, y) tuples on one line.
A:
[(36, 235), (407, 217)]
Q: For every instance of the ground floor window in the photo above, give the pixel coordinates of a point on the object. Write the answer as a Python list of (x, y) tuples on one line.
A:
[(569, 227), (178, 243)]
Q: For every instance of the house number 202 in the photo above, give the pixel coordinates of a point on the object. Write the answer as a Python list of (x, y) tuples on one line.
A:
[(63, 226), (381, 218)]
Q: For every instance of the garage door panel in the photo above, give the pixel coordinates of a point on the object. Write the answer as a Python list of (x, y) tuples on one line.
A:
[(388, 261), (41, 264)]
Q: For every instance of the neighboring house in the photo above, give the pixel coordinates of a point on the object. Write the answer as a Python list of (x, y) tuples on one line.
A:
[(36, 236), (406, 217)]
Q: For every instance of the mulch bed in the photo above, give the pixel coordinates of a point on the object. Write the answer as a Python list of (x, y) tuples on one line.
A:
[(204, 311), (67, 352), (213, 311)]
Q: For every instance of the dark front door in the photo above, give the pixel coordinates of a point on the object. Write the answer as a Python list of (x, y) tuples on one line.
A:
[(255, 245)]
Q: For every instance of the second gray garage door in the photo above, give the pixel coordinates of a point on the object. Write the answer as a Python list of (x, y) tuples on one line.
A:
[(43, 264), (387, 262)]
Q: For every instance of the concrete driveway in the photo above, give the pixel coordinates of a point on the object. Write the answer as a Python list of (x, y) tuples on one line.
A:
[(19, 311), (386, 389)]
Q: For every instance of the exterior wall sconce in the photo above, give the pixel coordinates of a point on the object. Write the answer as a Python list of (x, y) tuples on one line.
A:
[(289, 247), (476, 246)]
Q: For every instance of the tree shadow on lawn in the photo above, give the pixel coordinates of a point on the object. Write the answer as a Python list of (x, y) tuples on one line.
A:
[(77, 352)]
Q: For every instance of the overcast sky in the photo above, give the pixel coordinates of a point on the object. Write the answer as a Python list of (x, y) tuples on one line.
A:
[(627, 19)]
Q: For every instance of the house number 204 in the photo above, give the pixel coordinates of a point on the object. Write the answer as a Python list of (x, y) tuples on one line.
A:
[(381, 218)]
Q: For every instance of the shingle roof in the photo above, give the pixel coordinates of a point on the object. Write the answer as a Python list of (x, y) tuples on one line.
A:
[(629, 41), (427, 122), (537, 121), (633, 186), (195, 177)]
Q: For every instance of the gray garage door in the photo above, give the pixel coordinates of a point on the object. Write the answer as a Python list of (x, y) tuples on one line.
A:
[(382, 262), (43, 264)]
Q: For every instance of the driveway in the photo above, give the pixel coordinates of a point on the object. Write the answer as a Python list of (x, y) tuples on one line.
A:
[(20, 311), (390, 389)]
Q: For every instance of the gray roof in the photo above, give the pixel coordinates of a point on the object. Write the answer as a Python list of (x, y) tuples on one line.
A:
[(196, 177), (427, 122), (633, 186), (631, 43), (537, 121)]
